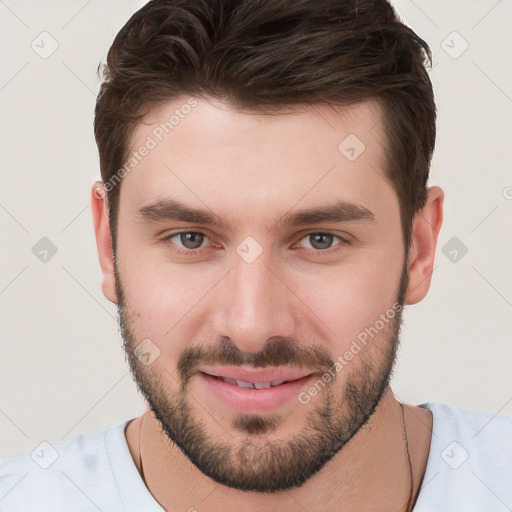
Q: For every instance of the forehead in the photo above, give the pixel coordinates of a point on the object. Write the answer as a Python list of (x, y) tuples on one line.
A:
[(205, 153)]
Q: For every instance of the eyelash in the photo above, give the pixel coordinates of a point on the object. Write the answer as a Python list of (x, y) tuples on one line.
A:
[(317, 252)]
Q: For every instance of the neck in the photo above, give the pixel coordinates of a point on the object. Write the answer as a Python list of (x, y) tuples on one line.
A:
[(370, 473)]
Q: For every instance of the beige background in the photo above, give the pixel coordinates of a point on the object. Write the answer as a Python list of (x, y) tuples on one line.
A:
[(62, 371)]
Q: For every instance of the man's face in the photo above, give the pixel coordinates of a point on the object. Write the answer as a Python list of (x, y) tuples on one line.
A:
[(266, 288)]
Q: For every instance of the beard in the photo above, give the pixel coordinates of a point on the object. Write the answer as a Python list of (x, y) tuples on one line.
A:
[(257, 462)]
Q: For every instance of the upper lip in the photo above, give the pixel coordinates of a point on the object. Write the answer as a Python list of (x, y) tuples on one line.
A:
[(256, 375)]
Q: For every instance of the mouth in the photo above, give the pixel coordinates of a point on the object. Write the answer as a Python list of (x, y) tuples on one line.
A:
[(260, 393), (273, 376), (253, 385)]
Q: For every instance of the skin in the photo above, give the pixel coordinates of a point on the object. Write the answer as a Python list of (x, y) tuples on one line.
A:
[(251, 169)]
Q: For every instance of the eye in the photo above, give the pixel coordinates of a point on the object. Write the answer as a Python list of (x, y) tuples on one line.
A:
[(323, 241), (188, 240)]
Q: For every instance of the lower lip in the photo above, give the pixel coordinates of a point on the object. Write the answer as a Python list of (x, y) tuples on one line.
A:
[(255, 401)]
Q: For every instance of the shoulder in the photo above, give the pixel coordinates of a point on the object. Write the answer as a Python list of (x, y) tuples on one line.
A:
[(50, 477), (470, 461), (485, 437)]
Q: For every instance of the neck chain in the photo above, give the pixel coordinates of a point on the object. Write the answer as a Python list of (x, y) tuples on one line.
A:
[(406, 442), (408, 458)]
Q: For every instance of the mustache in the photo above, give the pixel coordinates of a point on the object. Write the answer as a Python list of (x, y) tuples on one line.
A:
[(277, 352)]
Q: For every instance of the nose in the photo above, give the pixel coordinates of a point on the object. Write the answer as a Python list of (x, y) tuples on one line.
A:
[(254, 305)]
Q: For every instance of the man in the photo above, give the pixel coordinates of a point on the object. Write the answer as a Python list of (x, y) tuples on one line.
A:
[(262, 220)]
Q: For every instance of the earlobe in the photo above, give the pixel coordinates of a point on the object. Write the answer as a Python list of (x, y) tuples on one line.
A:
[(99, 207), (426, 226)]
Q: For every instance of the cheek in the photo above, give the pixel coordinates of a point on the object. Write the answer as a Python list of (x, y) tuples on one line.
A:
[(350, 297), (166, 302)]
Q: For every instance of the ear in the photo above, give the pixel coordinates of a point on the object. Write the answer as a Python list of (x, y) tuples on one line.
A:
[(426, 225), (99, 207)]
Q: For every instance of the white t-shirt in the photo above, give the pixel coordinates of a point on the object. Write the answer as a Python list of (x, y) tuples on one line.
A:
[(469, 469)]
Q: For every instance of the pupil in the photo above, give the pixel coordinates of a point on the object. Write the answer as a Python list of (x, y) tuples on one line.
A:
[(191, 240), (323, 240)]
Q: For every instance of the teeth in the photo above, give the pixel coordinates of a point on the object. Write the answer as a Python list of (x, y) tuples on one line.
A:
[(242, 384), (262, 385), (253, 385), (277, 382)]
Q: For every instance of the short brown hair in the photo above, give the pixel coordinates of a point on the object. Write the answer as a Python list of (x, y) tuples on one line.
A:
[(265, 54)]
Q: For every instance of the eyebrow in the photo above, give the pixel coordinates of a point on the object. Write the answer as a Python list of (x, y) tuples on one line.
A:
[(166, 210)]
